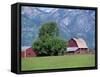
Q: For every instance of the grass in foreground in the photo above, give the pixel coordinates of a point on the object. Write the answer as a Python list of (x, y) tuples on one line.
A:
[(54, 62)]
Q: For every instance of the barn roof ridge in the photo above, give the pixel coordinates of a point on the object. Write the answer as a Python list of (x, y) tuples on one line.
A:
[(81, 42), (25, 47)]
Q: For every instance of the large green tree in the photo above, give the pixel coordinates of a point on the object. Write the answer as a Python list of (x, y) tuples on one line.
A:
[(49, 28), (49, 42)]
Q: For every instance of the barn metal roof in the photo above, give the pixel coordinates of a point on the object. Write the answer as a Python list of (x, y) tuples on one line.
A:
[(81, 43), (23, 48)]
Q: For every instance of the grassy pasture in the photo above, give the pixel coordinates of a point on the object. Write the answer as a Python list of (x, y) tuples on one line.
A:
[(54, 62)]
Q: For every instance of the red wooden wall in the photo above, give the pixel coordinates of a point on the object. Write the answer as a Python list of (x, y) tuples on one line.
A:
[(72, 43)]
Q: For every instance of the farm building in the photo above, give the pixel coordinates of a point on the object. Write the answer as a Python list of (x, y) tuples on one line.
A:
[(78, 46), (28, 52)]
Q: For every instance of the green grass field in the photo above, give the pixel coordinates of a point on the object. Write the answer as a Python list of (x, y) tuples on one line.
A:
[(54, 62)]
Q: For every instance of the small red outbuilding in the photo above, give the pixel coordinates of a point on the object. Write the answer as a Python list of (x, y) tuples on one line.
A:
[(28, 53)]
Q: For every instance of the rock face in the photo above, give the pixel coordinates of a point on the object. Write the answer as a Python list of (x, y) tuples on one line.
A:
[(71, 23)]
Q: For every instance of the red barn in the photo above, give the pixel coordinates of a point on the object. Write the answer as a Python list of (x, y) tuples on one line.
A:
[(28, 52), (77, 45)]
